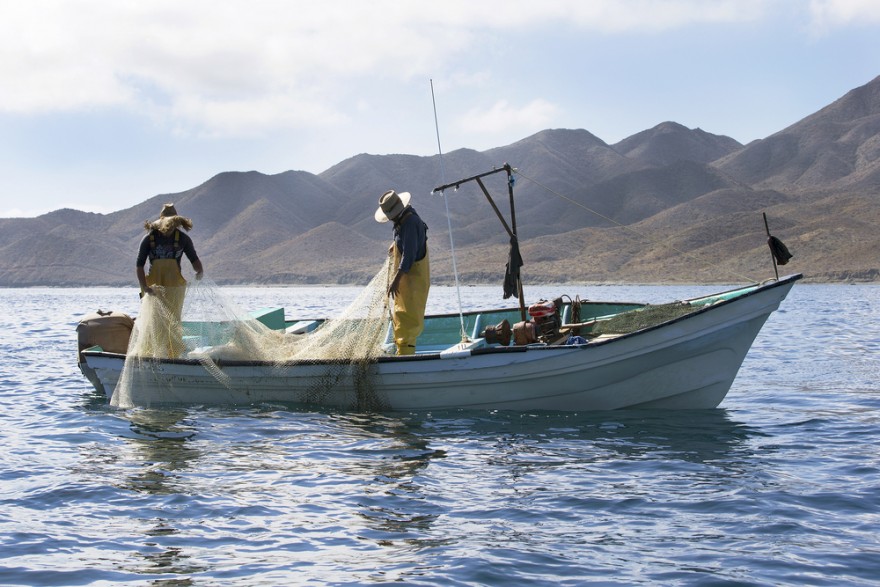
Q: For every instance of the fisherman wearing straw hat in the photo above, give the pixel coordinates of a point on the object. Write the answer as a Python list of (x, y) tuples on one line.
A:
[(164, 245), (412, 277)]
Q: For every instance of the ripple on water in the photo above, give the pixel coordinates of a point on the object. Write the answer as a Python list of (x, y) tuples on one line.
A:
[(779, 487)]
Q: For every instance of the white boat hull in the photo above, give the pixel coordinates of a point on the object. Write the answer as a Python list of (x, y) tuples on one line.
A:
[(687, 363)]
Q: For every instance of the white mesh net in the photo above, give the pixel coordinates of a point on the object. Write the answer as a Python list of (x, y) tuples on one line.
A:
[(211, 330)]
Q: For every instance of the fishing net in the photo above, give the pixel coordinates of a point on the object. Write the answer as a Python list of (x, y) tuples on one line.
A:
[(650, 315), (211, 329)]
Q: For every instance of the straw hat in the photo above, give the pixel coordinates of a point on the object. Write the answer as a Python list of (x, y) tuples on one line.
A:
[(168, 210), (168, 220), (391, 204)]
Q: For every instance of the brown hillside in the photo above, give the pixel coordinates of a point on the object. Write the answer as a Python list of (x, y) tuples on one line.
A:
[(667, 204)]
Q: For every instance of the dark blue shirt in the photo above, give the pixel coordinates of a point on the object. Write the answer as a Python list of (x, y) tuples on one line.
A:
[(163, 247), (411, 239)]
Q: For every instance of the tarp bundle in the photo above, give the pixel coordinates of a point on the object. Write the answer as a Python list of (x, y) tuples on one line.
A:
[(779, 250), (511, 272)]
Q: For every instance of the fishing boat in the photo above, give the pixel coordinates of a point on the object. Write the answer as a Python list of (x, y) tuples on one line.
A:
[(565, 354)]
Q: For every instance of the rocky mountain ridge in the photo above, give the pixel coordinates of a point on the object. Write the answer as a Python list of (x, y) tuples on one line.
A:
[(668, 204)]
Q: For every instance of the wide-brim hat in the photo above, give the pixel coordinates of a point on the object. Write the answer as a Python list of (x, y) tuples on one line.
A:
[(168, 220), (391, 204), (168, 210)]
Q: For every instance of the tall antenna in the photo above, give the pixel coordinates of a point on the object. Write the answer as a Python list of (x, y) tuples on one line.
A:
[(464, 336)]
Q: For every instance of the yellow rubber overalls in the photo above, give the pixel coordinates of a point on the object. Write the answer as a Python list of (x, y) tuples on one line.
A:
[(408, 313), (165, 331)]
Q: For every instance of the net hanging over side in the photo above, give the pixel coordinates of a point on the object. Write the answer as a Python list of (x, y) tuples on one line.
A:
[(212, 329)]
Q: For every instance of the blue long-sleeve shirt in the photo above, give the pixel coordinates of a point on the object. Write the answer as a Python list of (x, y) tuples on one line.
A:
[(163, 247), (411, 239)]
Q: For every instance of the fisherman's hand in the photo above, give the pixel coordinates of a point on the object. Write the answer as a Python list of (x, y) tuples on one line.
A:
[(199, 275), (394, 288), (149, 290)]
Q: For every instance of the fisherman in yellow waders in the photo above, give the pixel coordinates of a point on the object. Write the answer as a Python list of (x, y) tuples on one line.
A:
[(412, 277), (164, 289)]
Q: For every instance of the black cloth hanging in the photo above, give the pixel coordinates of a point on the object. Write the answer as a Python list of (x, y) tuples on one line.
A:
[(511, 272), (779, 250)]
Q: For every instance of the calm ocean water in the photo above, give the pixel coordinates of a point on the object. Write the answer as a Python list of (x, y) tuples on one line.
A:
[(780, 486)]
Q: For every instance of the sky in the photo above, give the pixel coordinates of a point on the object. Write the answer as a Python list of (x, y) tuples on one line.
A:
[(106, 103)]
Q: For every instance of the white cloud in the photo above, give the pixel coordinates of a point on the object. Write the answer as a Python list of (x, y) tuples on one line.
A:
[(612, 16), (829, 14), (239, 68), (204, 61)]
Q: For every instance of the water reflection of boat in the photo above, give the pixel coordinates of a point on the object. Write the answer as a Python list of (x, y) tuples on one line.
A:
[(542, 440)]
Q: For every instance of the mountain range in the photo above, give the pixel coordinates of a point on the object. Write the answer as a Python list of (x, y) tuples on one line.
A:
[(668, 204)]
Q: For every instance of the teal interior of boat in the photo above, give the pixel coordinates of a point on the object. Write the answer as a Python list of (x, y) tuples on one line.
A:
[(444, 332)]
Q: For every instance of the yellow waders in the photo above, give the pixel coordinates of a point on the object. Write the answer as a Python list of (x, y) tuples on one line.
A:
[(408, 315), (165, 331)]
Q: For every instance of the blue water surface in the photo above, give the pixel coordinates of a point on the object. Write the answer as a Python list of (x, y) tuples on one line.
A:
[(780, 486)]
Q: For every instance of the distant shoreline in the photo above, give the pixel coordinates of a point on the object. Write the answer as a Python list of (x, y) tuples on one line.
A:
[(806, 281)]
